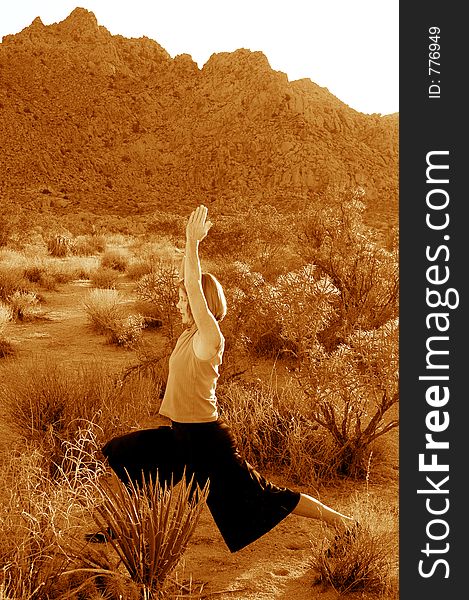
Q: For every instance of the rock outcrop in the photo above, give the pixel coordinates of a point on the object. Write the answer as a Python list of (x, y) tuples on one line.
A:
[(98, 122)]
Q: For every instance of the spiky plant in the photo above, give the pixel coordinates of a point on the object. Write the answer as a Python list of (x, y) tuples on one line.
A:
[(148, 526)]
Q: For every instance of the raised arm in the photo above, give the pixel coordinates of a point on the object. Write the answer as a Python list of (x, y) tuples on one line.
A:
[(209, 335)]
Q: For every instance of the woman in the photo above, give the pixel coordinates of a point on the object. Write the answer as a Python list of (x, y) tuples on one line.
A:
[(243, 503)]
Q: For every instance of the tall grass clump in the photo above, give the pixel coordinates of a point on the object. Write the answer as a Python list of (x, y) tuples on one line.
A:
[(116, 258), (12, 280), (48, 405), (104, 278), (59, 245), (106, 315), (89, 245), (24, 305), (364, 560), (37, 517), (270, 429)]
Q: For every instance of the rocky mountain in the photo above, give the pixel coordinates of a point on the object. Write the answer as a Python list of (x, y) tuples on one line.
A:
[(98, 122)]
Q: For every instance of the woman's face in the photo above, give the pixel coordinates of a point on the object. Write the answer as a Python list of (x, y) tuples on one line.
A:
[(184, 308)]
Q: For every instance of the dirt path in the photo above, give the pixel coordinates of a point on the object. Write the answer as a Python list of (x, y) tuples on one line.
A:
[(62, 333)]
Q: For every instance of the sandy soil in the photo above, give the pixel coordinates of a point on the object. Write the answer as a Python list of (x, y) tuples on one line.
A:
[(278, 566)]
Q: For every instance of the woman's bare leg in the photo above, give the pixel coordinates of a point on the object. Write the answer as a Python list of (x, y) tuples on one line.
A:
[(313, 509)]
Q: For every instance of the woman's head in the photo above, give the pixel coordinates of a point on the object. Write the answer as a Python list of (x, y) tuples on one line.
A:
[(214, 296)]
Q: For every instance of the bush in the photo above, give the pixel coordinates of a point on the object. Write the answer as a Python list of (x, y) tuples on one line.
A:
[(49, 405), (6, 315), (115, 259), (166, 224), (334, 238), (59, 245), (104, 278), (160, 289), (270, 428), (24, 305), (104, 309), (106, 315), (88, 245), (11, 281), (352, 391), (366, 560)]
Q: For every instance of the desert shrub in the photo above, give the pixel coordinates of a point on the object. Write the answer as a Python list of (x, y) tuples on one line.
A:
[(160, 289), (351, 393), (104, 277), (104, 308), (6, 315), (24, 305), (49, 272), (259, 234), (272, 432), (37, 514), (72, 268), (128, 332), (34, 273), (116, 259), (49, 405), (279, 319), (166, 225), (11, 281), (334, 238), (366, 560), (146, 255), (59, 245), (89, 245)]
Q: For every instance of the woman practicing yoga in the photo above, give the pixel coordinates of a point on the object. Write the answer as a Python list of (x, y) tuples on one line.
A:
[(244, 505)]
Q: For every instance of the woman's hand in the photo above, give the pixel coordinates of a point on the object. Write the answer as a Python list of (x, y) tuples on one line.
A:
[(197, 225)]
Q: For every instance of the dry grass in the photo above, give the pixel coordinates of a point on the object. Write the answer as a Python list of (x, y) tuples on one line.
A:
[(37, 516), (115, 258), (49, 405), (104, 278), (6, 315), (106, 315), (271, 429), (364, 560), (44, 554)]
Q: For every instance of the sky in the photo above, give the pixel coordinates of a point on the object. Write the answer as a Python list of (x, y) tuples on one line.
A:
[(350, 47)]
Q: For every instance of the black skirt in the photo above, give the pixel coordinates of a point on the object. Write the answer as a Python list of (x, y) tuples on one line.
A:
[(244, 505)]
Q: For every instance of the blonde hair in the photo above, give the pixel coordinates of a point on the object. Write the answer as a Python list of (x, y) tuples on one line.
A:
[(213, 294)]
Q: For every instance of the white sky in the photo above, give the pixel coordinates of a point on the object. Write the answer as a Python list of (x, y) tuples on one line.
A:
[(350, 47)]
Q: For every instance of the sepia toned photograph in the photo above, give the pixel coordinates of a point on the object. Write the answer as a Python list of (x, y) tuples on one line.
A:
[(199, 300)]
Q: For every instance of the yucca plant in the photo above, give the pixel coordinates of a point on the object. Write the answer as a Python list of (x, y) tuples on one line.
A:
[(148, 526)]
